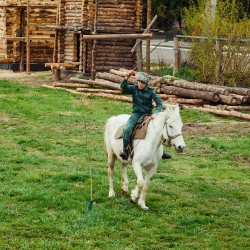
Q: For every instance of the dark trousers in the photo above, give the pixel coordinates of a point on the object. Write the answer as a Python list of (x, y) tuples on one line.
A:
[(128, 129)]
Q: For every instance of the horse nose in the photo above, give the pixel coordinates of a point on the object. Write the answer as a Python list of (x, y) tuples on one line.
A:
[(180, 148)]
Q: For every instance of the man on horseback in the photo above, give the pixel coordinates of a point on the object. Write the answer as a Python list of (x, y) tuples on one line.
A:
[(142, 96)]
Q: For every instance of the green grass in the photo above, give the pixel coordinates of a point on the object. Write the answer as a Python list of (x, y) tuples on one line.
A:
[(50, 140)]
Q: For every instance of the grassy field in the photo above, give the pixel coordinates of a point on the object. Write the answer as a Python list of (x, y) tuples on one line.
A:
[(51, 140)]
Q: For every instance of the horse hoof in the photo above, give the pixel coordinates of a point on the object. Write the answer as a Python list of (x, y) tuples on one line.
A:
[(132, 201), (123, 192), (111, 194)]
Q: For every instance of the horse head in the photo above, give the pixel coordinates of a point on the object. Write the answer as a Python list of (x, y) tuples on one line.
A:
[(172, 130)]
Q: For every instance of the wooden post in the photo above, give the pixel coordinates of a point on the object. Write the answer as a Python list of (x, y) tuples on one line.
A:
[(84, 53), (28, 39), (22, 43), (81, 53), (145, 31), (83, 44), (93, 70), (55, 51), (148, 39), (57, 74), (139, 56), (176, 57), (218, 63)]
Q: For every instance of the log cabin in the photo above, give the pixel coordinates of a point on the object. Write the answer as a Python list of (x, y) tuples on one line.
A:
[(81, 35)]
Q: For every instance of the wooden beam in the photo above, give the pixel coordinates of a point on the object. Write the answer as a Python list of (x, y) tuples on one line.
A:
[(25, 38), (58, 27), (45, 5), (204, 95), (220, 112), (145, 31), (117, 36)]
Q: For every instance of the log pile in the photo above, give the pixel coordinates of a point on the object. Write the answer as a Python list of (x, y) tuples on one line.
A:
[(216, 99)]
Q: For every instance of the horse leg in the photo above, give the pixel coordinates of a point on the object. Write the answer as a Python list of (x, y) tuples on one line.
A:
[(111, 164), (124, 188), (141, 201), (135, 193)]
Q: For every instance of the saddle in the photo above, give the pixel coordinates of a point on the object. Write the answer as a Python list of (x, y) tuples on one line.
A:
[(139, 131)]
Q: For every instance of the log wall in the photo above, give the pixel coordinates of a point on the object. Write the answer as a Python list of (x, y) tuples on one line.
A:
[(41, 50), (13, 30), (113, 17), (3, 43), (61, 34), (74, 19)]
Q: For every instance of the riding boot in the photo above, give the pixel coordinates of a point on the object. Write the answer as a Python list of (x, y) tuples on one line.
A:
[(124, 154), (166, 156)]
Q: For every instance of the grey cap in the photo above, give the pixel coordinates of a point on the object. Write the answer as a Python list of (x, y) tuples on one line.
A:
[(141, 76)]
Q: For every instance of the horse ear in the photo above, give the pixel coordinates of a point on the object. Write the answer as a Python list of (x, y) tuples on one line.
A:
[(169, 107), (177, 108)]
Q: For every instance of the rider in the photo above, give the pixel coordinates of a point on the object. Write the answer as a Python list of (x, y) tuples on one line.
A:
[(142, 96)]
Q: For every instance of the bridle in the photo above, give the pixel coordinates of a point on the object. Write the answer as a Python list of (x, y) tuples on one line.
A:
[(170, 138)]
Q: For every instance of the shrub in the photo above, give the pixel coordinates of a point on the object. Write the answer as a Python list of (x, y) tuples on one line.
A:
[(224, 29)]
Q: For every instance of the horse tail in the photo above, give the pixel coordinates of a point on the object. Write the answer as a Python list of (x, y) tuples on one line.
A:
[(107, 135), (107, 138)]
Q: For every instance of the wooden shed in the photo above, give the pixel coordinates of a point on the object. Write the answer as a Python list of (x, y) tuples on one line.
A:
[(21, 42), (83, 35)]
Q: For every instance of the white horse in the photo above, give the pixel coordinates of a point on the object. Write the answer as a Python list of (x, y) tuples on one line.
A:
[(147, 152)]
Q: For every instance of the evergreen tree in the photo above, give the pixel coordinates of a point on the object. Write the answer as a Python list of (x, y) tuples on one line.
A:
[(168, 12)]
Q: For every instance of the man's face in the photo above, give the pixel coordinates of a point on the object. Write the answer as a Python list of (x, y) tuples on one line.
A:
[(141, 85)]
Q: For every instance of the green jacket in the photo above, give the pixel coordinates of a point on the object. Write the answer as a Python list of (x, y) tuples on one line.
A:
[(142, 98)]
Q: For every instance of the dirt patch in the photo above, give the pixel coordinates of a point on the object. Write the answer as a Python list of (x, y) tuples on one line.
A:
[(219, 127), (35, 79)]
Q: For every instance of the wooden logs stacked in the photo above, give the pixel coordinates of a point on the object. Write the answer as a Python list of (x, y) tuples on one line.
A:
[(57, 67), (209, 98), (214, 93), (111, 54), (179, 91), (73, 13)]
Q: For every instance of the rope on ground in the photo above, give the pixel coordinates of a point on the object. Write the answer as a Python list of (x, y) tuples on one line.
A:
[(89, 203)]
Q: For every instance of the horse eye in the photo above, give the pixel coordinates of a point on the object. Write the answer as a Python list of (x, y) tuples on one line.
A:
[(170, 126)]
